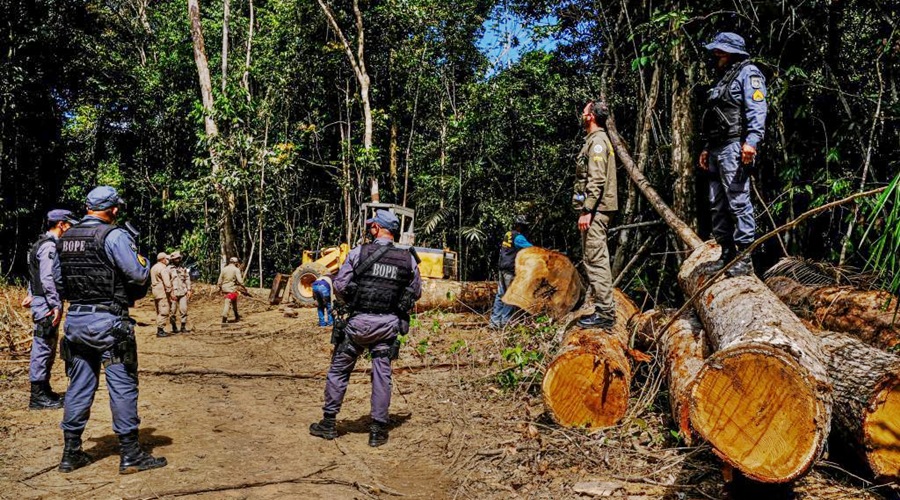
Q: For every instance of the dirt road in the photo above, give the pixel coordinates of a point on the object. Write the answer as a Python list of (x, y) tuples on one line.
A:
[(229, 406)]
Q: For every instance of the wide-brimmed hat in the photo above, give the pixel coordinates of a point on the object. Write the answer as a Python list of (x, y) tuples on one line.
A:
[(731, 43)]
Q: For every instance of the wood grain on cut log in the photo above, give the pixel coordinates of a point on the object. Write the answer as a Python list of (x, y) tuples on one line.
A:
[(587, 383), (763, 399), (867, 315), (457, 296), (546, 282), (682, 348), (866, 384)]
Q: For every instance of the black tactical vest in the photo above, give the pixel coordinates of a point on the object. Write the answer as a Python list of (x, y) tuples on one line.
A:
[(508, 251), (723, 119), (89, 277), (382, 284), (34, 265)]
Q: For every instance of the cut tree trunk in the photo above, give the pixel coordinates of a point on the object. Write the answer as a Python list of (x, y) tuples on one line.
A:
[(587, 383), (682, 348), (763, 399), (546, 282), (457, 296), (866, 384), (867, 315)]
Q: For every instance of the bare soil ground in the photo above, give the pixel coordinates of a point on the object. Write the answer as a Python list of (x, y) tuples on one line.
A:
[(229, 406)]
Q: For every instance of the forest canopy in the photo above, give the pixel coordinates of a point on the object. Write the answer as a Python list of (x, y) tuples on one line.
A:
[(312, 101)]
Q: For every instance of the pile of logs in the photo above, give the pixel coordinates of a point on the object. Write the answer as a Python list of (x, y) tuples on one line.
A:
[(764, 387)]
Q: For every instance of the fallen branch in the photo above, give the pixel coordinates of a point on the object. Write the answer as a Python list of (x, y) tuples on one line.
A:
[(636, 224)]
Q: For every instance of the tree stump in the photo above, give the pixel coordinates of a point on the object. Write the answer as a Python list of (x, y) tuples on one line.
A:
[(763, 399), (867, 315), (682, 348), (587, 383)]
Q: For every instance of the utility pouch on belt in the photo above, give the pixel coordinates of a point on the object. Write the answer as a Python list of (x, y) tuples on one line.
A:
[(65, 350), (337, 331), (44, 328), (124, 352), (394, 351)]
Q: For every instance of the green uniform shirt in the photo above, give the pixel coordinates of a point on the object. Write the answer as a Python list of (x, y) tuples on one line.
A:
[(595, 175)]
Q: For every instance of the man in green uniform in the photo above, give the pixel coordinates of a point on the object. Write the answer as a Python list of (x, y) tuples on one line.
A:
[(596, 201)]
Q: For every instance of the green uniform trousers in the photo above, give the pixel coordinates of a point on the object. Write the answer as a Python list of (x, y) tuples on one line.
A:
[(596, 265)]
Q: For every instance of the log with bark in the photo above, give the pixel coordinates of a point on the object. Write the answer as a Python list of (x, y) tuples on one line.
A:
[(866, 384), (457, 296), (762, 399), (867, 315), (546, 282), (587, 383), (682, 349)]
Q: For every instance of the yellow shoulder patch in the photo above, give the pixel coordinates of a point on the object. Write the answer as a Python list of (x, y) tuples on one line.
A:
[(758, 96), (141, 260)]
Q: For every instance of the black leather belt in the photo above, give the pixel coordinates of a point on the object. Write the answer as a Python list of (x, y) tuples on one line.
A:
[(92, 308)]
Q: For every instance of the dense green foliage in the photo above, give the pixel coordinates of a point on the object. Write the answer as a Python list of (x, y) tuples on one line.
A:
[(98, 91)]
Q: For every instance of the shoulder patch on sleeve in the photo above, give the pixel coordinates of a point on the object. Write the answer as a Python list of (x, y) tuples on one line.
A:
[(756, 82), (598, 148), (758, 96), (141, 260)]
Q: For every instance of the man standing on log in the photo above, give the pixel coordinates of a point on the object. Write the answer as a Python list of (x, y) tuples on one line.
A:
[(380, 284), (596, 200), (161, 287), (513, 242), (103, 274), (733, 124), (45, 300)]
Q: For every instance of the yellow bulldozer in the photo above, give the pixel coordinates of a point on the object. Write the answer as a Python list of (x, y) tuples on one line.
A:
[(433, 263)]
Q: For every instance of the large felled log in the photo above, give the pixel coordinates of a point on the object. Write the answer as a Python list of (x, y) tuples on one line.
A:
[(867, 315), (546, 282), (587, 383), (682, 348), (457, 296), (763, 399), (866, 384)]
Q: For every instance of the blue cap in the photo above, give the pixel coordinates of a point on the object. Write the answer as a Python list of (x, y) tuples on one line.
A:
[(103, 197), (731, 43), (60, 215), (385, 219)]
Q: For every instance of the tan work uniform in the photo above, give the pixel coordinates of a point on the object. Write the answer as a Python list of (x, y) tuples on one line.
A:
[(161, 286), (595, 192), (230, 281), (181, 285)]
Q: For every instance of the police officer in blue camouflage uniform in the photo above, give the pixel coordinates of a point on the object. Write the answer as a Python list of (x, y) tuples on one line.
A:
[(103, 275), (733, 125), (45, 299), (380, 284)]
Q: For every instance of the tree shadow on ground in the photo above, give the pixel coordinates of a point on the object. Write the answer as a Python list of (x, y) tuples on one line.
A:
[(361, 424), (108, 445)]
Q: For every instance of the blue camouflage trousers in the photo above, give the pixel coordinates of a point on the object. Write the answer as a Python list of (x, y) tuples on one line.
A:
[(342, 364), (43, 350), (729, 196)]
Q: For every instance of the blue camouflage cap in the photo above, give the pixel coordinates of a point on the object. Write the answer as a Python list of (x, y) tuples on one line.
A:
[(731, 43), (385, 219), (60, 215), (103, 197)]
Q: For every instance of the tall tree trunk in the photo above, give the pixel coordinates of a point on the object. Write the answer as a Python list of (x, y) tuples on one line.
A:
[(393, 151), (683, 161), (226, 18), (626, 245), (762, 399), (226, 199)]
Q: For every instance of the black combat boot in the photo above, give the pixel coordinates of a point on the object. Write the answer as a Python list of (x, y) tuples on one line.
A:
[(597, 320), (743, 267), (728, 253), (73, 457), (52, 395), (183, 327), (378, 434), (161, 332), (133, 458), (42, 399), (224, 319), (174, 327), (325, 428)]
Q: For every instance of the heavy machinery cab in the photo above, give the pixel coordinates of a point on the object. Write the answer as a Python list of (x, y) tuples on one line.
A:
[(434, 263)]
